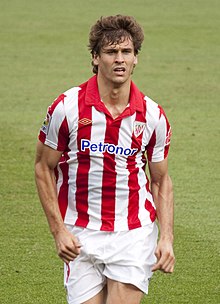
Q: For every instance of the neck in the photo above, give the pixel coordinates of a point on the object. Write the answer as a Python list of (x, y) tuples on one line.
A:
[(113, 94)]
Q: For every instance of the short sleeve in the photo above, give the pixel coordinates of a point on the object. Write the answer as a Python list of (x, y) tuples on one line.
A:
[(158, 146), (54, 131)]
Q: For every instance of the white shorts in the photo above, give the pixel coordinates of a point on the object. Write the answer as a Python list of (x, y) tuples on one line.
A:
[(125, 256)]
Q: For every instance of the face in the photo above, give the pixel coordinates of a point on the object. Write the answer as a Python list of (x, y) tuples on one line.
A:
[(116, 62)]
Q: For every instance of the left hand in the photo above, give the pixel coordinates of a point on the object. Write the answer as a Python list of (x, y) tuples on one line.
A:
[(165, 257)]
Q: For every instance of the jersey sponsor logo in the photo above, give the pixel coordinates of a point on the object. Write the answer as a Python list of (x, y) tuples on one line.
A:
[(46, 124), (106, 147), (138, 128), (167, 141)]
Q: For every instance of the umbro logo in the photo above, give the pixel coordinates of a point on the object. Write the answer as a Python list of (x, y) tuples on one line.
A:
[(85, 121)]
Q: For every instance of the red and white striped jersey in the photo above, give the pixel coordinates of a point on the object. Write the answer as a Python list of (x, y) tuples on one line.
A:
[(101, 179)]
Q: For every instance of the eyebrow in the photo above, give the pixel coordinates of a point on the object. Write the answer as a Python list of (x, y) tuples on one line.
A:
[(109, 48)]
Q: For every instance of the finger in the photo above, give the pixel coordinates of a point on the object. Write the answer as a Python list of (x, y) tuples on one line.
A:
[(66, 261), (73, 249), (156, 267), (167, 263), (76, 242), (157, 253), (67, 256), (169, 267), (164, 264), (69, 252), (170, 270), (160, 263)]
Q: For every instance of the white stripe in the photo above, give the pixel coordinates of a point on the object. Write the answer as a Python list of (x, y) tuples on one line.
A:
[(161, 131), (60, 179), (96, 170), (71, 109), (143, 214), (152, 118), (122, 177)]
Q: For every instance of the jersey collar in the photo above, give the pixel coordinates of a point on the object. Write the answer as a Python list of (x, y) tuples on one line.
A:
[(92, 96)]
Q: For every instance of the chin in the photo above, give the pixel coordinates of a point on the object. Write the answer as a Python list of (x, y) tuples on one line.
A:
[(120, 79)]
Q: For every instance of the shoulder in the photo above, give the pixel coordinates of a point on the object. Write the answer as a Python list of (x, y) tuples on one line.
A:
[(152, 109), (60, 103), (71, 94), (150, 103)]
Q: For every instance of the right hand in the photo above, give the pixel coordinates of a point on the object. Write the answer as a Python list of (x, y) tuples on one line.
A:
[(68, 246)]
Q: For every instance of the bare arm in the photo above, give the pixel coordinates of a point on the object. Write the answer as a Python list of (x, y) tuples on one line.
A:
[(162, 191), (67, 245)]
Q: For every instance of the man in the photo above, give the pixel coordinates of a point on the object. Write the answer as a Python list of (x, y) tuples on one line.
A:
[(90, 172)]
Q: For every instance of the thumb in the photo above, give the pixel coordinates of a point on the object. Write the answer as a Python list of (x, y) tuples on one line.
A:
[(76, 241), (157, 253), (156, 265)]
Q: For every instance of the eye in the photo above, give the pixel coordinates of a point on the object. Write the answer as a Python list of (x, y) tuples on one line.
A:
[(127, 51), (111, 51)]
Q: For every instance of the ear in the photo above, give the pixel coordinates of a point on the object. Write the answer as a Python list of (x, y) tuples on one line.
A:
[(135, 59), (95, 59)]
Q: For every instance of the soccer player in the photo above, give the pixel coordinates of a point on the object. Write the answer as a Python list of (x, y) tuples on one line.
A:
[(92, 153)]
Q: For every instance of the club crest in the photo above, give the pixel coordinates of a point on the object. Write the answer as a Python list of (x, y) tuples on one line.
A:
[(138, 128)]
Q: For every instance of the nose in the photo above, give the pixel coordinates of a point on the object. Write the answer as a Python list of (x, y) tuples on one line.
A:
[(119, 57)]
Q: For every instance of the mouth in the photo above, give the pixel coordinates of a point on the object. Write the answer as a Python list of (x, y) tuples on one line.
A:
[(119, 70)]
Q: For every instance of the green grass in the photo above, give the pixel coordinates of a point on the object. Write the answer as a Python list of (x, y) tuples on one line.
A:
[(44, 52)]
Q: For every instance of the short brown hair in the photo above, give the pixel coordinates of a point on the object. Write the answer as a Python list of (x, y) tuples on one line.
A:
[(114, 29)]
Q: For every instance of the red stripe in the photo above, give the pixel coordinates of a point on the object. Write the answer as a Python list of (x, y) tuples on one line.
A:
[(63, 136), (63, 140), (109, 176), (55, 103), (133, 205), (42, 136), (149, 207), (168, 131), (64, 188), (67, 272), (168, 136), (150, 146), (84, 132)]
